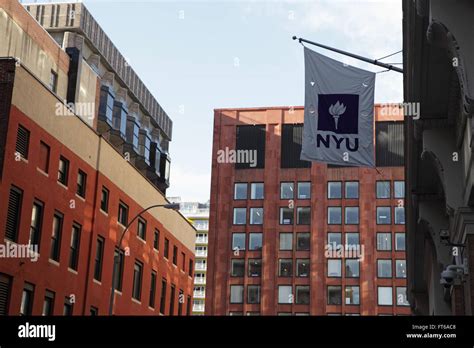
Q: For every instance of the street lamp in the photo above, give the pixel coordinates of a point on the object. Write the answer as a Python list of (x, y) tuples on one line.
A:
[(173, 206)]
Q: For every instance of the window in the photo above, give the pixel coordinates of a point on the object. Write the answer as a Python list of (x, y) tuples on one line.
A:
[(180, 301), (68, 307), (99, 255), (238, 241), (163, 296), (36, 224), (384, 241), (27, 299), (237, 268), (5, 290), (53, 81), (286, 241), (137, 280), (104, 200), (81, 183), (285, 267), (48, 303), (94, 311), (399, 189), (183, 261), (286, 190), (383, 189), (302, 294), (385, 296), (304, 190), (253, 294), (141, 230), (334, 268), (22, 142), (13, 215), (236, 294), (400, 269), (302, 267), (384, 268), (334, 295), (334, 215), (256, 190), (120, 254), (351, 295), (255, 241), (402, 299), (302, 241), (250, 139), (156, 240), (286, 216), (400, 241), (334, 240), (63, 171), (352, 241), (43, 161), (256, 216), (303, 215), (334, 190), (151, 300), (172, 299), (190, 268), (351, 189), (240, 190), (240, 216), (351, 215), (383, 216), (290, 150), (74, 247), (123, 213), (400, 215), (285, 294), (255, 267), (175, 255), (188, 306), (166, 250), (352, 268), (56, 236)]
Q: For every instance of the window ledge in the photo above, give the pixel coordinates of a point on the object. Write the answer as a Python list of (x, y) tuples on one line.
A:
[(56, 263), (62, 185), (41, 171), (72, 271), (98, 282), (80, 197), (136, 301)]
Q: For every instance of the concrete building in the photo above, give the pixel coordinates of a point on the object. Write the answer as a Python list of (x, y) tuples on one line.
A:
[(438, 73), (198, 214), (77, 164), (290, 237)]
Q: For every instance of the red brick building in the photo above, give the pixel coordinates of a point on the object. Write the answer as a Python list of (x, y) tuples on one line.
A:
[(68, 188), (271, 222)]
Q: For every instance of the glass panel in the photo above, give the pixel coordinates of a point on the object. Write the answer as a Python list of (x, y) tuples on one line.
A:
[(256, 190), (304, 190), (334, 189), (240, 190), (286, 190)]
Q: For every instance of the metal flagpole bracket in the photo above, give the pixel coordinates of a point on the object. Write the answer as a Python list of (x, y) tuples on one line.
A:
[(356, 56)]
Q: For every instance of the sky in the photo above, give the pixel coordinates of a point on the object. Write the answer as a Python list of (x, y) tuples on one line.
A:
[(196, 56)]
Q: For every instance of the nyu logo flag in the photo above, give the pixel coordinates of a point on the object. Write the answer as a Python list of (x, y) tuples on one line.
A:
[(338, 113)]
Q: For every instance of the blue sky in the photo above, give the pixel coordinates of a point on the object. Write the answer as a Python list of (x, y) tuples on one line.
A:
[(186, 53)]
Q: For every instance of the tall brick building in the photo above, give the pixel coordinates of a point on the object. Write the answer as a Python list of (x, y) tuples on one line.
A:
[(271, 222), (83, 149)]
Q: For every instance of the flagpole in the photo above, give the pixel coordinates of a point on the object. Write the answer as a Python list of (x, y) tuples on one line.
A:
[(367, 60)]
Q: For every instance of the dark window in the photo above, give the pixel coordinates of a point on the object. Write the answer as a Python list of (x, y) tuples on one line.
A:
[(255, 267), (68, 306), (27, 299), (250, 143), (389, 144), (180, 301), (13, 215), (183, 261), (43, 162), (188, 306), (285, 267), (123, 213), (156, 240), (303, 215), (36, 224), (99, 255), (163, 296), (81, 183), (106, 105), (190, 269), (302, 294), (351, 295), (175, 255), (63, 171), (166, 248), (302, 267), (104, 200), (94, 311), (302, 241), (22, 141), (172, 299), (48, 304), (5, 290), (237, 268), (53, 81), (141, 230), (151, 301), (75, 243), (334, 295), (137, 281), (253, 294), (56, 236), (291, 140), (286, 216), (352, 268), (119, 269)]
